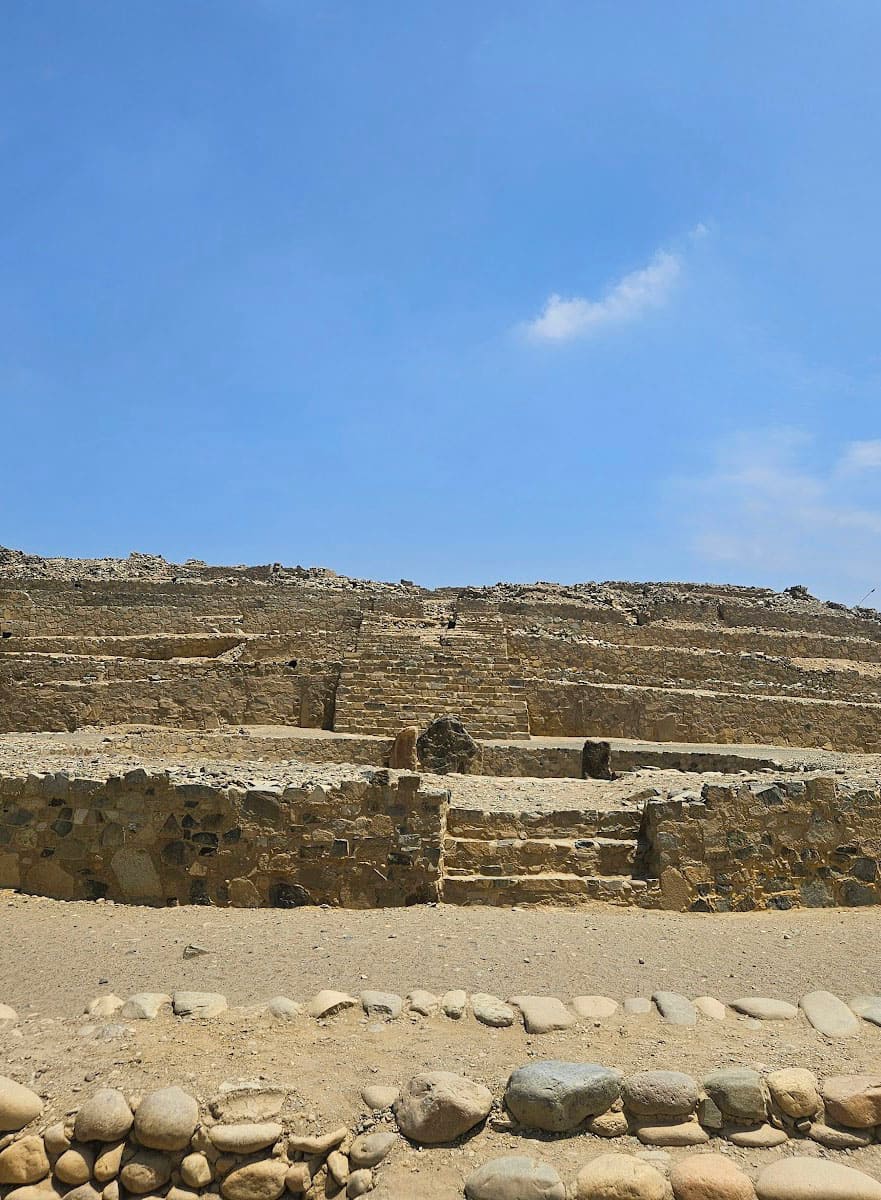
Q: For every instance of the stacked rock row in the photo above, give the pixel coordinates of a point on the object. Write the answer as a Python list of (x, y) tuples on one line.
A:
[(160, 1145), (669, 1108), (697, 1177)]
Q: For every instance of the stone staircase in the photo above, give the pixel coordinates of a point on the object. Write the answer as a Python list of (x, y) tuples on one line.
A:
[(509, 858), (409, 670)]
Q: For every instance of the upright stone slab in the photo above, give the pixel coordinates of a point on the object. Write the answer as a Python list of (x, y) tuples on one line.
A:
[(446, 747), (402, 756)]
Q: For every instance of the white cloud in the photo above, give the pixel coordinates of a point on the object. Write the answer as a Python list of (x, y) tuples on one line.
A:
[(766, 513), (862, 456), (634, 294)]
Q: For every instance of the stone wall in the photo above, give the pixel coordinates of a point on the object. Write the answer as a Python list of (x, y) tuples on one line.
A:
[(773, 844), (148, 838), (55, 693), (560, 708)]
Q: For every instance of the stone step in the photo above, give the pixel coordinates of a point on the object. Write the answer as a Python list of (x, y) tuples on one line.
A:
[(548, 888), (533, 856), (557, 825)]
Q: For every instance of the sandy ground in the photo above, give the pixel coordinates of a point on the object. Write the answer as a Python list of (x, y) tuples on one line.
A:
[(55, 956), (55, 953)]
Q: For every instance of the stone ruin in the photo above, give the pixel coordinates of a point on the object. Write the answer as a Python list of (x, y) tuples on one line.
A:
[(695, 747)]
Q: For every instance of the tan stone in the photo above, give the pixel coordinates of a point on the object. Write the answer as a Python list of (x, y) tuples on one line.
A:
[(298, 1179), (402, 756), (195, 1171), (75, 1165), (619, 1177), (853, 1100), (610, 1124), (438, 1106), (108, 1161), (814, 1179), (794, 1091), (263, 1180), (146, 1171), (763, 1136), (244, 1138), (18, 1105), (25, 1161), (674, 1133), (710, 1177)]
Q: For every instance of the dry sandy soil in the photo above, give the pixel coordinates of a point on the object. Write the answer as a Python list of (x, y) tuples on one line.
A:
[(54, 957)]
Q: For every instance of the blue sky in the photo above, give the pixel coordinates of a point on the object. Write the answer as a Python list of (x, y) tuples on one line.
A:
[(455, 292)]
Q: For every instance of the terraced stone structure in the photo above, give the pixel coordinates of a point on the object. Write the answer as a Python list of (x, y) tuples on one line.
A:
[(735, 706)]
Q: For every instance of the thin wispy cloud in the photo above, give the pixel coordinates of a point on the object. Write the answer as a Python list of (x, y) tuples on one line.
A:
[(862, 456), (631, 297), (772, 509)]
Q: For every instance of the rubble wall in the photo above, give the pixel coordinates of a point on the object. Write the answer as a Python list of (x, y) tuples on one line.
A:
[(147, 838)]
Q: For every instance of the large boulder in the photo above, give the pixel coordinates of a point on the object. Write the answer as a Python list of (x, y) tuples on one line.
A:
[(446, 747), (438, 1106), (514, 1177), (560, 1096), (794, 1091)]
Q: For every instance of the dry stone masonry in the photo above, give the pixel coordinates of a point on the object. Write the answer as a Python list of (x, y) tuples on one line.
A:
[(286, 736)]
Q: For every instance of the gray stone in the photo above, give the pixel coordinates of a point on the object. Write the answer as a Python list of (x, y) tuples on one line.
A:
[(559, 1096), (761, 1008), (514, 1177), (813, 1179), (829, 1015), (371, 1148), (137, 876), (637, 1006), (198, 1004), (18, 1105), (543, 1014), (834, 1138), (446, 747), (382, 1004), (867, 1007), (490, 1010), (283, 1009), (144, 1006), (665, 1094), (438, 1106), (675, 1009), (166, 1119), (739, 1093), (105, 1117)]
